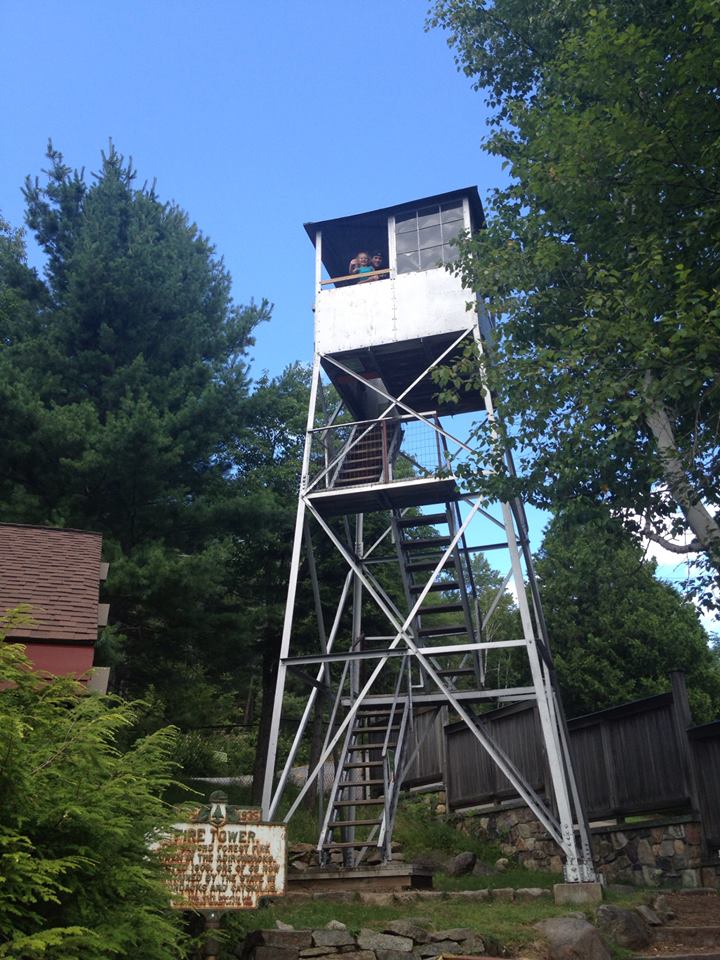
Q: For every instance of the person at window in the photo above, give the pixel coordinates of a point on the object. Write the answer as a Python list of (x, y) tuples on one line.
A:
[(376, 262), (360, 264)]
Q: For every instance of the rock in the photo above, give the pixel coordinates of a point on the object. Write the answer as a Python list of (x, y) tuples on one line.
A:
[(461, 864), (283, 926), (572, 938), (482, 869), (645, 853), (332, 938), (431, 895), (391, 955), (370, 940), (444, 947), (469, 895), (649, 916), (503, 894), (273, 952), (456, 933), (405, 896), (407, 928), (290, 939), (662, 908), (337, 896), (359, 955), (625, 927), (474, 947), (317, 951), (528, 894), (377, 899), (335, 925), (502, 864)]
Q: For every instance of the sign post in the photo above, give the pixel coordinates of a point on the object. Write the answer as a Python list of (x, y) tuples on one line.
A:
[(224, 858)]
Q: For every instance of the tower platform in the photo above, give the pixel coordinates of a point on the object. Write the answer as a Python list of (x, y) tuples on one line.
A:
[(396, 495)]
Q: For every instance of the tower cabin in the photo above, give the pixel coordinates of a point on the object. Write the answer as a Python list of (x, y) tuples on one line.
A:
[(379, 335)]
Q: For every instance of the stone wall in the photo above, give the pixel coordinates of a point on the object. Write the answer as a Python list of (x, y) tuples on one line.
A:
[(399, 940), (649, 853)]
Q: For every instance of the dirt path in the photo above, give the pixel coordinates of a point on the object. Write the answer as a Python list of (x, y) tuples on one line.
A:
[(690, 932)]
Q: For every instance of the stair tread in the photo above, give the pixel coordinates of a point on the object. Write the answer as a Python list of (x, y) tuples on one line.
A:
[(421, 565), (446, 585), (339, 824), (440, 608), (362, 729), (371, 746), (422, 520), (425, 542), (372, 802), (443, 631), (460, 672), (351, 784), (349, 843), (359, 765)]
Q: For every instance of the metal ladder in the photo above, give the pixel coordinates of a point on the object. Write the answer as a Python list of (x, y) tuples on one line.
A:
[(368, 776)]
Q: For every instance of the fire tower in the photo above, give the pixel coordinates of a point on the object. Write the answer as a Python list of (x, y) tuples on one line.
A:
[(380, 483)]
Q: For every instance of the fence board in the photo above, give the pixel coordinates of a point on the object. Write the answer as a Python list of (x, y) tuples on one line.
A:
[(428, 735), (705, 746), (627, 759)]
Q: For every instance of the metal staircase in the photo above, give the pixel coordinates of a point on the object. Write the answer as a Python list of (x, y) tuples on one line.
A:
[(418, 556), (363, 799)]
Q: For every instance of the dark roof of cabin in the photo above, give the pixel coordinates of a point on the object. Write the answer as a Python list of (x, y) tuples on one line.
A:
[(55, 572), (471, 193)]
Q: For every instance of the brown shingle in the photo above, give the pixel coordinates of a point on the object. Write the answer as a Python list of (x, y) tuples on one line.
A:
[(57, 573)]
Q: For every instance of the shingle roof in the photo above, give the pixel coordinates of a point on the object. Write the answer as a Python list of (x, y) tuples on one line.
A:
[(57, 573)]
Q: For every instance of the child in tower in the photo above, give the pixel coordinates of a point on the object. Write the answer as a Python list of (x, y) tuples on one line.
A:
[(360, 264)]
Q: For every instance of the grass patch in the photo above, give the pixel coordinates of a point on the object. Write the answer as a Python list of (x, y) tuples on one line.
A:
[(421, 833), (514, 876)]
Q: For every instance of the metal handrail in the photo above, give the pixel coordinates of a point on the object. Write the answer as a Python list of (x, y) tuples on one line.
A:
[(361, 423), (358, 278)]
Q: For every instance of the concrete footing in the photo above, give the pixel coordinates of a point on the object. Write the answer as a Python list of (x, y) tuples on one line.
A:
[(577, 894)]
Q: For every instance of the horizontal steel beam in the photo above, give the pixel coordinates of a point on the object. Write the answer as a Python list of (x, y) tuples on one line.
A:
[(377, 652), (438, 699)]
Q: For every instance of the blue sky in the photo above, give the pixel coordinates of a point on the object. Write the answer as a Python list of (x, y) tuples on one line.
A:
[(253, 117)]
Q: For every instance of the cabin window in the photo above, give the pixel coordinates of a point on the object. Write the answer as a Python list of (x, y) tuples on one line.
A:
[(423, 237)]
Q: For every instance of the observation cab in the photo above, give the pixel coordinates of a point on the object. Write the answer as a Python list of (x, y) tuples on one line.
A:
[(379, 337)]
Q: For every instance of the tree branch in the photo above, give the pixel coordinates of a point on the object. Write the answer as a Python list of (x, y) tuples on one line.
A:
[(693, 547)]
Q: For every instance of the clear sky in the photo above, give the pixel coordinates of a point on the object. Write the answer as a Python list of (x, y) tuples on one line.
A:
[(254, 117)]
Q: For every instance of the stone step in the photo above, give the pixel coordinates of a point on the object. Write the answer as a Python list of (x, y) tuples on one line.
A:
[(686, 955), (705, 936)]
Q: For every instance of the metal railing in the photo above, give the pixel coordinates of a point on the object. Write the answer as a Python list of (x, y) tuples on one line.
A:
[(385, 450)]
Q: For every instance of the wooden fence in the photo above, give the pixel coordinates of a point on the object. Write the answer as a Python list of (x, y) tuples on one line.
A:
[(641, 757)]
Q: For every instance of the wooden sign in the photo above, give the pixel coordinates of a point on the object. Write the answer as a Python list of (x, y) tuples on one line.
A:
[(225, 858)]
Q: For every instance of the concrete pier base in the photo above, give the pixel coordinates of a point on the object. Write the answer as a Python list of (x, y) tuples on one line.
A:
[(577, 894)]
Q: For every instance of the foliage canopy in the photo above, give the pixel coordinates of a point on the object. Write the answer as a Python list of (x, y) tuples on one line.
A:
[(76, 815), (600, 262)]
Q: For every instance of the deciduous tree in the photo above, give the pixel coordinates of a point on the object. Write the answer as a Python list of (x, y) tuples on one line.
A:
[(600, 263), (616, 631)]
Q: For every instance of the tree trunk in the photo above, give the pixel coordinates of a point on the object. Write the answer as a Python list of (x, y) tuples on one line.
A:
[(703, 525), (271, 654)]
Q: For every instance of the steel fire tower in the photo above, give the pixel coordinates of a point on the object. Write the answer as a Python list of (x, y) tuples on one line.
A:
[(380, 484)]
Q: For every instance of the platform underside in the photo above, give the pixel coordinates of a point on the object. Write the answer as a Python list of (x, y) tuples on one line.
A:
[(397, 495), (398, 365)]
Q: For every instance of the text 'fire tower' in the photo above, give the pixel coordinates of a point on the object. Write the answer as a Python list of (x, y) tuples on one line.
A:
[(407, 641)]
